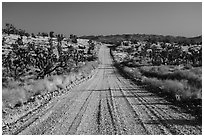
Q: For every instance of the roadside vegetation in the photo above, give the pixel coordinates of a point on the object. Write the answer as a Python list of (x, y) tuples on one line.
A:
[(170, 69), (35, 67)]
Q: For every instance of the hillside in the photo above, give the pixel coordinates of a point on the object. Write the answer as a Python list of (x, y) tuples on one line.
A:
[(197, 39), (145, 37)]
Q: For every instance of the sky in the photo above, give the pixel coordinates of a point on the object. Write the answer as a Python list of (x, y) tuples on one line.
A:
[(168, 18)]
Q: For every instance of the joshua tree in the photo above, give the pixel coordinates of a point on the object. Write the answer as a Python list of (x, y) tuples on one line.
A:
[(73, 38), (10, 29), (52, 34), (33, 35), (59, 45), (50, 42)]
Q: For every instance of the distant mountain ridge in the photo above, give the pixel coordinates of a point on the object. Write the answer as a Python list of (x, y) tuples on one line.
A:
[(198, 38), (145, 37)]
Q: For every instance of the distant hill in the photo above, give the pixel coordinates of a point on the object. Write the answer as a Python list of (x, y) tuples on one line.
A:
[(112, 39), (197, 39)]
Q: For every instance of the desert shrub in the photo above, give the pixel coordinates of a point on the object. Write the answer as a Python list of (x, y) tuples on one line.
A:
[(153, 82), (137, 73), (133, 73), (10, 83), (66, 81), (180, 90), (155, 70), (127, 69), (191, 92), (57, 80), (150, 72), (188, 66), (163, 73), (13, 97), (79, 76), (193, 80), (50, 86), (15, 93), (197, 71), (35, 88), (174, 87)]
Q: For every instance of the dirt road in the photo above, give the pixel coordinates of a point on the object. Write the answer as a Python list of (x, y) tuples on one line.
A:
[(110, 104)]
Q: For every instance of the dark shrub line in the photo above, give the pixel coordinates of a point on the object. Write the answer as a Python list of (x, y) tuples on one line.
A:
[(193, 80)]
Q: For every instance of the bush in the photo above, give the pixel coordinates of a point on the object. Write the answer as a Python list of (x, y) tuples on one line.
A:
[(173, 87), (153, 82), (13, 97), (35, 88), (164, 74), (137, 74), (57, 80), (15, 93)]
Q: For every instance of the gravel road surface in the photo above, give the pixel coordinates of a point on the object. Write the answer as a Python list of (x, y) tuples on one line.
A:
[(109, 104)]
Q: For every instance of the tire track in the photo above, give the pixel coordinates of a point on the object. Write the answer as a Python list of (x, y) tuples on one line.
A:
[(58, 111), (32, 116), (137, 118), (106, 121), (135, 115), (130, 106), (153, 110), (174, 108), (98, 116), (91, 121), (106, 111), (141, 100), (124, 129), (120, 125), (72, 127), (58, 124), (164, 116), (111, 111)]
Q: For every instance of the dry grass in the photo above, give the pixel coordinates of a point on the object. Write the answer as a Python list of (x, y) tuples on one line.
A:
[(179, 82), (13, 97), (163, 72), (180, 90), (180, 85), (16, 93)]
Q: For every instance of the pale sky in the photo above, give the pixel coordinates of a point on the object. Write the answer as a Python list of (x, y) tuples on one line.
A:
[(178, 19)]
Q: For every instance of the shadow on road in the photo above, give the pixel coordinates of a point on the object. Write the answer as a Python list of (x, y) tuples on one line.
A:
[(176, 122)]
